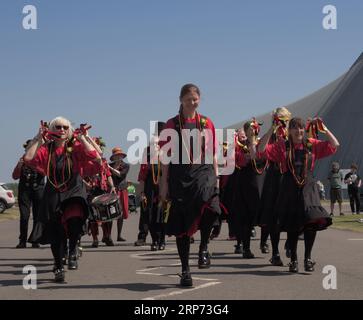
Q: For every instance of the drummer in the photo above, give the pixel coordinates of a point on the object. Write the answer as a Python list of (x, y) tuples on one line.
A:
[(119, 169), (99, 183)]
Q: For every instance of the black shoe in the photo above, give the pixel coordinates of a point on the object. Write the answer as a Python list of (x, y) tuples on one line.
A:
[(59, 275), (95, 244), (109, 242), (253, 233), (309, 265), (204, 260), (154, 247), (140, 243), (213, 236), (247, 254), (21, 245), (72, 263), (162, 246), (35, 245), (186, 279), (238, 249), (293, 266), (276, 261), (120, 239), (264, 248), (191, 239), (79, 252)]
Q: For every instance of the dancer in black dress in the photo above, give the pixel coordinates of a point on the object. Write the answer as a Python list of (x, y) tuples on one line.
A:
[(61, 154), (298, 203), (151, 212), (271, 187), (192, 184), (242, 194)]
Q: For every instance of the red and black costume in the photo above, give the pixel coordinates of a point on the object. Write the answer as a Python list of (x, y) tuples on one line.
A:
[(120, 183), (150, 174), (64, 206), (192, 190), (99, 185), (267, 214), (241, 196), (298, 206)]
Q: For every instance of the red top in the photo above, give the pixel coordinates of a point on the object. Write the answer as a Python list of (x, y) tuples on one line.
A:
[(81, 159), (98, 178), (240, 157), (276, 152), (170, 124)]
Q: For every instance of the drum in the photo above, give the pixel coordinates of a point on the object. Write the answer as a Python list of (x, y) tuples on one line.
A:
[(106, 207)]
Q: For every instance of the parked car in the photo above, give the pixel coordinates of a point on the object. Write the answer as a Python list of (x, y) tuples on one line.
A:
[(7, 199)]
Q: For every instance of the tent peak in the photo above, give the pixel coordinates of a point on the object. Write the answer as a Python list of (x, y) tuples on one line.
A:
[(360, 59)]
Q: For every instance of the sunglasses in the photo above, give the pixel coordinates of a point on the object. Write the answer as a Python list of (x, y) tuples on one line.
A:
[(62, 127)]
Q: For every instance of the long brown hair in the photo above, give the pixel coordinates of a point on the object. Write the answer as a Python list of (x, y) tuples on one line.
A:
[(187, 88)]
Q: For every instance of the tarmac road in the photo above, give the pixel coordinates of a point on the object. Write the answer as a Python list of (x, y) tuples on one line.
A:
[(127, 272)]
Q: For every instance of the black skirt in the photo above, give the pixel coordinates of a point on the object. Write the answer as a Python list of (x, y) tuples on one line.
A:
[(191, 187), (267, 214), (299, 208), (52, 208), (241, 197)]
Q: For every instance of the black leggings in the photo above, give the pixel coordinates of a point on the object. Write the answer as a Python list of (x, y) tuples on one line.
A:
[(264, 235), (59, 239), (293, 238), (183, 243), (275, 239)]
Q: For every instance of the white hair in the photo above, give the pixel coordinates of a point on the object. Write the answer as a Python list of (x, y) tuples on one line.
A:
[(62, 120)]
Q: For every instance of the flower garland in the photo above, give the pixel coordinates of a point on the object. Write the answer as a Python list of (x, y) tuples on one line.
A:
[(291, 164), (245, 149), (54, 183), (156, 180)]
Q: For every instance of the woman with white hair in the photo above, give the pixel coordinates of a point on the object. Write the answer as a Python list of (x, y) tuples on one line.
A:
[(63, 155), (271, 186)]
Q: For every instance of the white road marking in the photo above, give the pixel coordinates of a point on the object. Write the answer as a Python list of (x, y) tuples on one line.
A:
[(355, 239), (147, 272), (174, 293), (140, 255)]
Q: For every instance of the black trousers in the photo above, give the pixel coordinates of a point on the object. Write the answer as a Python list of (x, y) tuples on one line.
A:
[(143, 225), (29, 200), (157, 232), (354, 199)]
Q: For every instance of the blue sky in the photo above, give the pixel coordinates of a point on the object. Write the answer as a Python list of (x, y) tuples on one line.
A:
[(119, 64)]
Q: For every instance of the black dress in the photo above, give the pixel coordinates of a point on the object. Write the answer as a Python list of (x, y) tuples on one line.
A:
[(298, 207), (191, 188), (244, 196), (270, 192), (55, 201)]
